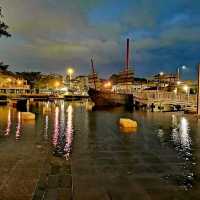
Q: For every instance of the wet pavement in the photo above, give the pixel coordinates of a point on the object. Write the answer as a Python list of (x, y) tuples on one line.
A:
[(71, 152)]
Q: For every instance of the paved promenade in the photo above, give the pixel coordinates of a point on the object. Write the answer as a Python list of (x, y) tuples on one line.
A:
[(157, 162)]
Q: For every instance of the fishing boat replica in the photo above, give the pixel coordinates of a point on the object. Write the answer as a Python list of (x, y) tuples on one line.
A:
[(106, 98), (103, 97)]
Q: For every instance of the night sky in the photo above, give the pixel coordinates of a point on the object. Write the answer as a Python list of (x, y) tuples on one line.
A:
[(49, 35)]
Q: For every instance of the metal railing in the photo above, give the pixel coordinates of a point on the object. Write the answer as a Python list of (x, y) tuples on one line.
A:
[(165, 97)]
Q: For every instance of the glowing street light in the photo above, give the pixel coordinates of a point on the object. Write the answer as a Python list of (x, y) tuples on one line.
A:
[(161, 73), (187, 91), (184, 67), (185, 88), (70, 72), (178, 71)]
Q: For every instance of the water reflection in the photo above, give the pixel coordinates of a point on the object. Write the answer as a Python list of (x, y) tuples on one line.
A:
[(46, 127), (69, 131), (7, 132), (63, 130), (184, 133), (180, 133), (56, 126), (182, 141), (18, 128)]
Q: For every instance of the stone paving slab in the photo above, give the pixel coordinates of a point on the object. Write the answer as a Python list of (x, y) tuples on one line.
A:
[(55, 182)]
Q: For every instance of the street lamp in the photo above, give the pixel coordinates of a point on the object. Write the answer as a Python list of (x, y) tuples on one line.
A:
[(178, 71), (160, 77), (187, 91), (70, 72), (161, 73)]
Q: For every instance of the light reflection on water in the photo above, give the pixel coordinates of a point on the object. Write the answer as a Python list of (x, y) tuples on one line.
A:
[(181, 140), (63, 130), (56, 126), (18, 128), (7, 132), (58, 129), (180, 134), (69, 131), (46, 127)]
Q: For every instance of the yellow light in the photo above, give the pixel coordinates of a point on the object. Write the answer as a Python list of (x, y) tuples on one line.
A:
[(70, 71), (185, 88), (57, 84), (175, 90), (108, 84), (19, 82), (178, 82), (9, 79)]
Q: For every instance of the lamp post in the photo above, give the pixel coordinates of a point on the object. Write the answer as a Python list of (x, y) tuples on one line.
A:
[(161, 74), (70, 72), (187, 91), (198, 92), (178, 71)]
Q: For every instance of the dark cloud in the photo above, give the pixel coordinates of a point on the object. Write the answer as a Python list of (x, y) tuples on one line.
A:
[(50, 35)]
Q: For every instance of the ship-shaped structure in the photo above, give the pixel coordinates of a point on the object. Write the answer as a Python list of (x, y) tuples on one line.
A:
[(120, 94)]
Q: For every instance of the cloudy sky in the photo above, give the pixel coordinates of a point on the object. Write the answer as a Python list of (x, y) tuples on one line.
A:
[(48, 35)]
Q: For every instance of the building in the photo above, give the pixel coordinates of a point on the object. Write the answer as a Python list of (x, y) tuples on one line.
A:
[(12, 83), (82, 83), (166, 79), (49, 82)]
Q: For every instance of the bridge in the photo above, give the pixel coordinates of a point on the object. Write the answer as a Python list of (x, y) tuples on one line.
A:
[(164, 99), (31, 95)]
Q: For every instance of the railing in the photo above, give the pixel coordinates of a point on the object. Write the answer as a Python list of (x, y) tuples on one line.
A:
[(14, 87), (165, 97)]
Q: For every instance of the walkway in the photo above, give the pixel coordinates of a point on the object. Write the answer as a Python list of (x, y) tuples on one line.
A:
[(170, 98)]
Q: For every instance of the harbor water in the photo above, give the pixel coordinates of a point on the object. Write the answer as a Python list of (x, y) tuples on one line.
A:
[(72, 151)]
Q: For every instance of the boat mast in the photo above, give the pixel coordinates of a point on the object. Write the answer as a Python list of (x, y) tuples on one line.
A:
[(93, 73), (127, 61), (127, 53)]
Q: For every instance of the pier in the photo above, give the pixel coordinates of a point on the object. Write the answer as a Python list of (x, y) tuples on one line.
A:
[(164, 101)]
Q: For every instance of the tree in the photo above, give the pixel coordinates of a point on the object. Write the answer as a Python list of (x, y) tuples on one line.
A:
[(3, 32), (3, 67), (31, 77), (3, 26)]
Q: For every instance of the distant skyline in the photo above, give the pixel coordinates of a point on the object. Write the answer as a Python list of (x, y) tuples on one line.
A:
[(49, 35)]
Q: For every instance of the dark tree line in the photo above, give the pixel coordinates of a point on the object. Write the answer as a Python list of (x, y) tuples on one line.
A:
[(3, 32), (3, 26), (3, 66), (31, 77)]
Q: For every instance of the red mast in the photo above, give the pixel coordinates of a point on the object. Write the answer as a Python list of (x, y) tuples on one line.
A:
[(127, 53), (127, 61)]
